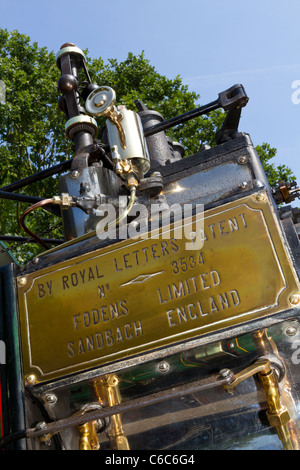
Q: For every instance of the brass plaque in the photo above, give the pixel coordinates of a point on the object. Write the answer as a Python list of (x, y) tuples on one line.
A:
[(138, 295)]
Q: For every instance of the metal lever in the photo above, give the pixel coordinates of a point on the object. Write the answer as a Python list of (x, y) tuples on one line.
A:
[(233, 98)]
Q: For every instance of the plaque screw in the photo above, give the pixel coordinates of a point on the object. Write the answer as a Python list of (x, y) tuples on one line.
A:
[(51, 398), (164, 366), (243, 160), (21, 281), (291, 331), (294, 299), (30, 379), (36, 260), (243, 185), (261, 197)]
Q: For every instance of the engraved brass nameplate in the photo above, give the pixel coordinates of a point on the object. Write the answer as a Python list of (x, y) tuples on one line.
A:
[(138, 295)]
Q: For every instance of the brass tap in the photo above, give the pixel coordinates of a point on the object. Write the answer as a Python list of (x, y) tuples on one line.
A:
[(88, 436), (277, 414), (108, 393)]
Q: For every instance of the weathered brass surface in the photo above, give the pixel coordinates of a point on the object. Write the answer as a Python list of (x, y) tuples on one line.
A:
[(138, 295)]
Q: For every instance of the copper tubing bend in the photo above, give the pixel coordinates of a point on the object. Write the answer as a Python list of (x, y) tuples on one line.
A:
[(44, 202)]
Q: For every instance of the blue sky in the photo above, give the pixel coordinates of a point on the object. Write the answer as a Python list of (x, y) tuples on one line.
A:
[(211, 45)]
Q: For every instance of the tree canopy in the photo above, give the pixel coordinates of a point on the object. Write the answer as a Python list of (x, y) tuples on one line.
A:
[(32, 127)]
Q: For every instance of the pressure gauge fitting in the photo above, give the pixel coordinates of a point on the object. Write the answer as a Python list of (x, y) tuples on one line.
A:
[(100, 102)]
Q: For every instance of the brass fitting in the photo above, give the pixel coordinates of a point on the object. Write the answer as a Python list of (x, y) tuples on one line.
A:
[(64, 200), (88, 436), (280, 418), (277, 414), (108, 392), (132, 181)]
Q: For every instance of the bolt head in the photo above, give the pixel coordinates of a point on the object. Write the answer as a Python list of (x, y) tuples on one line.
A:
[(22, 281), (30, 379), (243, 160), (294, 300), (225, 373), (51, 398), (291, 331), (164, 366), (261, 197), (75, 174)]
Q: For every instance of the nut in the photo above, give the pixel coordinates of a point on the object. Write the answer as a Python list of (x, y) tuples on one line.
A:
[(225, 373), (280, 418)]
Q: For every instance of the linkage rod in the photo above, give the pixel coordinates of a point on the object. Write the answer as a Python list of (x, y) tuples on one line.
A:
[(77, 420), (20, 197), (182, 118), (53, 170), (15, 239)]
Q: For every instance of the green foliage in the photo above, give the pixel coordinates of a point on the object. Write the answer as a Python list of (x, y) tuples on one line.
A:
[(274, 173), (32, 128)]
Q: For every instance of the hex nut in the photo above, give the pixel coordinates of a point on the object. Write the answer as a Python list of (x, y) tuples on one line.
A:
[(280, 418)]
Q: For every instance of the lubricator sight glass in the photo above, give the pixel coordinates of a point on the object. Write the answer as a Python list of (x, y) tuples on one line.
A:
[(124, 130)]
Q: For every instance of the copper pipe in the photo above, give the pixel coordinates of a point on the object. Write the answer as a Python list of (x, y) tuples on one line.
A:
[(44, 202)]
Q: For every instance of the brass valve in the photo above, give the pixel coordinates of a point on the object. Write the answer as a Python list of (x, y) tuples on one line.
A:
[(107, 390), (88, 436), (277, 414)]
